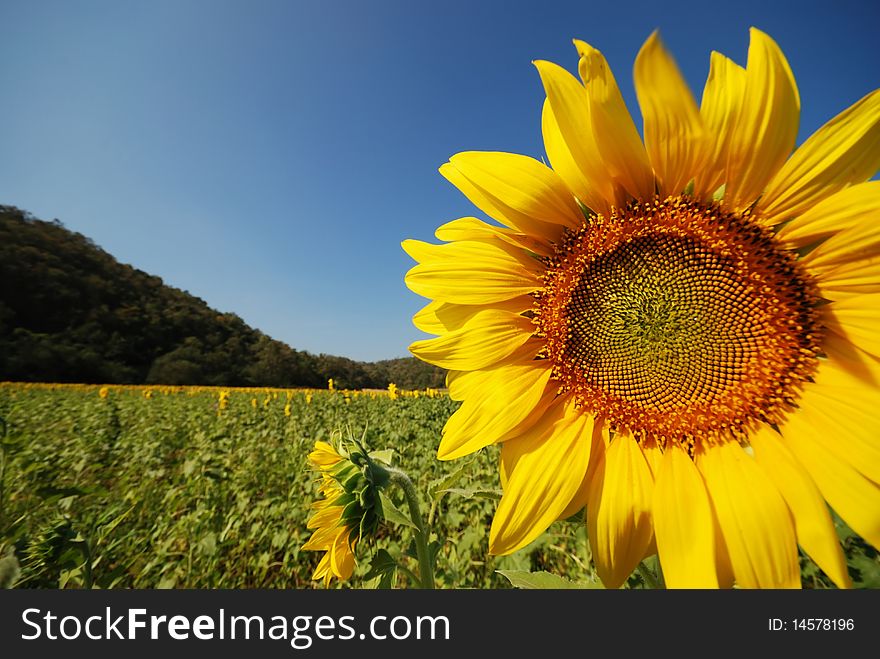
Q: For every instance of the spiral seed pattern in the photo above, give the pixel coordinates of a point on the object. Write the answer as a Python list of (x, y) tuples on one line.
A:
[(676, 320)]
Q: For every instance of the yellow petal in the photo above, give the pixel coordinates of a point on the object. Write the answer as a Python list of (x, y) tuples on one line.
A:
[(564, 164), (859, 204), (466, 384), (341, 557), (813, 524), (857, 319), (471, 228), (552, 458), (497, 209), (475, 250), (719, 110), (470, 272), (847, 247), (723, 566), (844, 151), (855, 498), (570, 113), (848, 263), (767, 127), (324, 455), (511, 393), (322, 570), (520, 185), (846, 356), (615, 133), (486, 339), (327, 517), (322, 539), (683, 523), (597, 453), (441, 317), (674, 136), (754, 519), (850, 280), (619, 510), (843, 412), (653, 456)]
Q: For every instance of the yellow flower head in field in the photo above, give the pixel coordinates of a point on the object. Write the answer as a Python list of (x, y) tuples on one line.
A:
[(678, 333), (392, 391), (103, 392), (349, 511), (330, 385)]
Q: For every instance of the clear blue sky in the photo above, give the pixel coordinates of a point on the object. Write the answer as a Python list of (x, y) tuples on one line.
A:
[(269, 156)]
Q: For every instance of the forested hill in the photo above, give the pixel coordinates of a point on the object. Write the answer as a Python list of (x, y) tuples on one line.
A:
[(69, 312)]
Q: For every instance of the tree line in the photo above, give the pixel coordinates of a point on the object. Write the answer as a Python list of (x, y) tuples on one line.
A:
[(70, 312)]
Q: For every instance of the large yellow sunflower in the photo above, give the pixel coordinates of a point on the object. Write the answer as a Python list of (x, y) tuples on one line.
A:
[(681, 334)]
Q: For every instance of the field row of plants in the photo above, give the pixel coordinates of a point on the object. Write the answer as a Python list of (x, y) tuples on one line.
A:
[(138, 486)]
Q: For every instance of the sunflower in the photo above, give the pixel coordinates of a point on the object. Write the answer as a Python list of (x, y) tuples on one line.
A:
[(678, 334), (331, 534), (349, 511)]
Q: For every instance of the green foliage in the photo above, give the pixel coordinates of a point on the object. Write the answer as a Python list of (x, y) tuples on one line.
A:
[(8, 570), (69, 312), (170, 491)]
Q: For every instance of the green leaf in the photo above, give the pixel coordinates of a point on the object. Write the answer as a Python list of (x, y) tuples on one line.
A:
[(543, 580), (869, 572), (386, 581), (470, 493), (208, 544), (437, 488), (167, 582), (385, 455), (382, 564), (393, 514), (52, 493), (843, 531), (8, 571)]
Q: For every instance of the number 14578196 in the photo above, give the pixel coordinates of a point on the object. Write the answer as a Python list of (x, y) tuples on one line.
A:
[(811, 624)]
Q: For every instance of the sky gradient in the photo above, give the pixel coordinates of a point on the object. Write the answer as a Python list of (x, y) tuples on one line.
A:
[(269, 157)]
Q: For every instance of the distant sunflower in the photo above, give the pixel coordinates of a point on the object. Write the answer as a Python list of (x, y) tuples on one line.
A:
[(681, 335)]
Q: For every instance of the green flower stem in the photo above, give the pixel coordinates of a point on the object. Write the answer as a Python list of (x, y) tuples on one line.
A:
[(426, 569)]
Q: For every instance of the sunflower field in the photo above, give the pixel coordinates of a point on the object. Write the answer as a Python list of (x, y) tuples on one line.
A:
[(194, 487), (146, 487)]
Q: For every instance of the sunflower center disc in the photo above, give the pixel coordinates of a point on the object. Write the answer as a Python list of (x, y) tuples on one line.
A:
[(676, 320)]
